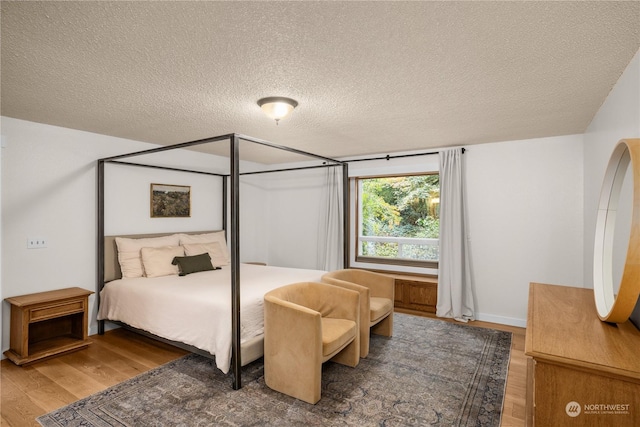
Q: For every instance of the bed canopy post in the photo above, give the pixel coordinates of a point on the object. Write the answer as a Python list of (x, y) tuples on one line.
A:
[(100, 239), (235, 261), (225, 182), (345, 215)]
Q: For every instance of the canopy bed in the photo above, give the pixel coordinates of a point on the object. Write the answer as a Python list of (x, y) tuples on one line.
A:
[(255, 280)]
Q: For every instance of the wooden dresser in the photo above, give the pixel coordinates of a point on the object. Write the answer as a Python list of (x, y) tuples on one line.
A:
[(581, 371)]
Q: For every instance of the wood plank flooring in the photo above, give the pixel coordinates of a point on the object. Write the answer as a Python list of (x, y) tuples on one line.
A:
[(30, 391), (33, 390)]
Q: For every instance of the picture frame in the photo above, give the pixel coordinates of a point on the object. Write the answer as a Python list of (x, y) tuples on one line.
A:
[(170, 201)]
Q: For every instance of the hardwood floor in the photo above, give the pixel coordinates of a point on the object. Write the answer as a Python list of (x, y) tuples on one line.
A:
[(30, 391), (34, 390)]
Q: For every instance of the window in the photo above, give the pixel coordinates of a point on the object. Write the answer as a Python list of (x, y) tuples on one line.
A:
[(398, 220)]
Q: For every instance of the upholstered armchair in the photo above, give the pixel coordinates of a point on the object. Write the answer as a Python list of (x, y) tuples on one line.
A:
[(305, 325), (376, 301)]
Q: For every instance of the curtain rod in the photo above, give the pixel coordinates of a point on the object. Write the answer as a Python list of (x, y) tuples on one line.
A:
[(389, 157)]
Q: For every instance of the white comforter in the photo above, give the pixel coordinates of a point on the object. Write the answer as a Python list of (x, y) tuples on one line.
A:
[(196, 309)]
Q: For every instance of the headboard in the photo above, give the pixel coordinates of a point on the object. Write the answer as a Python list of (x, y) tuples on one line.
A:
[(111, 264)]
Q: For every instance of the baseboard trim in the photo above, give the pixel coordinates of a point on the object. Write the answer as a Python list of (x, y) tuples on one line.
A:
[(511, 321)]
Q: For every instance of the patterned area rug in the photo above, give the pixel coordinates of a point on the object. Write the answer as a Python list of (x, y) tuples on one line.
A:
[(431, 373)]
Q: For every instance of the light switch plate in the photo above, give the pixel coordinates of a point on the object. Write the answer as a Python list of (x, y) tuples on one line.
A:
[(36, 242)]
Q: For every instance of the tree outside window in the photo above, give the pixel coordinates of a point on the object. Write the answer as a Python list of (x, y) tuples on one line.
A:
[(399, 219)]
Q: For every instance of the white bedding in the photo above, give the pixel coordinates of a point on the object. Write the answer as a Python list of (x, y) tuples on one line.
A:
[(196, 309)]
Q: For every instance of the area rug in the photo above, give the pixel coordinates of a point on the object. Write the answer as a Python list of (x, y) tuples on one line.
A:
[(430, 373)]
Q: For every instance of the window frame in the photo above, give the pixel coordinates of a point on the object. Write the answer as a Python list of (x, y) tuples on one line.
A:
[(356, 235)]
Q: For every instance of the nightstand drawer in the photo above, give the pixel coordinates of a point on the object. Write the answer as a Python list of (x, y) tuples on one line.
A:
[(55, 310)]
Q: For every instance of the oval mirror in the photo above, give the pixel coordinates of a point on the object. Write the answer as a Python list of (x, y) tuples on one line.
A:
[(617, 306)]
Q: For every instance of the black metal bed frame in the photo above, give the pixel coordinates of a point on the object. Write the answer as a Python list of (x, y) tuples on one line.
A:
[(234, 175)]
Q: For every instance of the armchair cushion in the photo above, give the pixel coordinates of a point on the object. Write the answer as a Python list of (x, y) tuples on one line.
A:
[(379, 308), (336, 334)]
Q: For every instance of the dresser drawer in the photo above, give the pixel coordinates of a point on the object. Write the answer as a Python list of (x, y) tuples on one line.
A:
[(55, 310)]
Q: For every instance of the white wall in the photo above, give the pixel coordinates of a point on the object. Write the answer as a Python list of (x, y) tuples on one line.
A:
[(127, 203), (254, 219), (617, 118), (293, 212), (525, 221)]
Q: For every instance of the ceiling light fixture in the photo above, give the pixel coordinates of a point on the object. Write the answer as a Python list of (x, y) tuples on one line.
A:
[(277, 107)]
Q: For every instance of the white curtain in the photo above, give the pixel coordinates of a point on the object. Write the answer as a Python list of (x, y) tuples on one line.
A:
[(455, 293), (330, 231)]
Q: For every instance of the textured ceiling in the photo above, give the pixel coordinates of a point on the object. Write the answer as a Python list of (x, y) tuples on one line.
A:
[(370, 77)]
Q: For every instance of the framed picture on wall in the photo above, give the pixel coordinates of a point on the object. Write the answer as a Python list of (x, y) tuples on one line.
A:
[(170, 201)]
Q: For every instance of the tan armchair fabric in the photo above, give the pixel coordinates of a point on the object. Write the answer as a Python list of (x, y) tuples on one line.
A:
[(376, 301), (305, 325)]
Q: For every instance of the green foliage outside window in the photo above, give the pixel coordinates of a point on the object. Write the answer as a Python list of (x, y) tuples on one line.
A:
[(404, 206)]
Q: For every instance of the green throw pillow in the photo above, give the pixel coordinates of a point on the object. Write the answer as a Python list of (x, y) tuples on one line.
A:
[(193, 264)]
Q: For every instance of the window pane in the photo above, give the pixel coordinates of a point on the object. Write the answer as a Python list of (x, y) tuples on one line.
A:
[(399, 217)]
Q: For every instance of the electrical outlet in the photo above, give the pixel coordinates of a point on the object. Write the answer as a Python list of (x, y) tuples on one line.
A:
[(36, 242)]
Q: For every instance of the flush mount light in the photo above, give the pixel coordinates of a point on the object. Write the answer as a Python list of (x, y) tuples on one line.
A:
[(277, 107)]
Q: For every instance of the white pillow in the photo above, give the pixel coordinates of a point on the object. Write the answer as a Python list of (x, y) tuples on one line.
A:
[(214, 249), (129, 252), (158, 261), (217, 236)]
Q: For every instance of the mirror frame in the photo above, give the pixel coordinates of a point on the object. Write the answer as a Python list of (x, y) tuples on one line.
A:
[(611, 307)]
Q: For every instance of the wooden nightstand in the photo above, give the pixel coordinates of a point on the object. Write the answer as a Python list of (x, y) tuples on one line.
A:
[(46, 324)]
